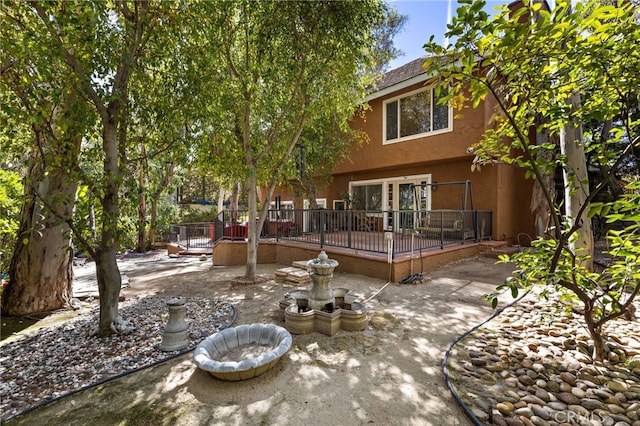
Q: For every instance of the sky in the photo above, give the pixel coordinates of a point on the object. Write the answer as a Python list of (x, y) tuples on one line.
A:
[(425, 17)]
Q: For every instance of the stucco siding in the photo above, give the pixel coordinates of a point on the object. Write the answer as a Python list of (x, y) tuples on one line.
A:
[(438, 157), (512, 214), (468, 126)]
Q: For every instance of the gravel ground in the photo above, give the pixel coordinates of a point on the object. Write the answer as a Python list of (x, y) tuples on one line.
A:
[(66, 357), (523, 367)]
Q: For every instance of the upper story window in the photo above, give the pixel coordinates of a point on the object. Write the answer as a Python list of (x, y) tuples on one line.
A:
[(415, 114)]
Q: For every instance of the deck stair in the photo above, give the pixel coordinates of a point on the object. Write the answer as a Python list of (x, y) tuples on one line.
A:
[(496, 248)]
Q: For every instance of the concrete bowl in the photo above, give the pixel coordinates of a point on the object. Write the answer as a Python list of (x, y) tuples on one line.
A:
[(243, 352)]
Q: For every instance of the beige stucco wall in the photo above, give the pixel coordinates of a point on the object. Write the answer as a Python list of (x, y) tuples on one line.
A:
[(448, 146), (228, 253)]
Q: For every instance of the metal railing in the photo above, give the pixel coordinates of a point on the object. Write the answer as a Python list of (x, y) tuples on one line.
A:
[(370, 230), (353, 229), (193, 236)]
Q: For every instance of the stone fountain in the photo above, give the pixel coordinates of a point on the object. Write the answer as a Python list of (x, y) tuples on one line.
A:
[(322, 308)]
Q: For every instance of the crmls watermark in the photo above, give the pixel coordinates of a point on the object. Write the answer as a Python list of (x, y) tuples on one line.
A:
[(582, 419)]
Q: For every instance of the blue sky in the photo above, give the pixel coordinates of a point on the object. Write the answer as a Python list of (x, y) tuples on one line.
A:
[(425, 17)]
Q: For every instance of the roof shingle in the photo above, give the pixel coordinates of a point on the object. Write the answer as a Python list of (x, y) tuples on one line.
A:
[(402, 73)]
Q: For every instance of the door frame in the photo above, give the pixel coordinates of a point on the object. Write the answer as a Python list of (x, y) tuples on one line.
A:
[(391, 195)]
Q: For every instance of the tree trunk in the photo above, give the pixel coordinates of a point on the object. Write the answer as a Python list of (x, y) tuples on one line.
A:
[(41, 270), (312, 194), (142, 213), (155, 198), (222, 193), (234, 201), (576, 185), (92, 220), (595, 333), (252, 234), (107, 271), (109, 283), (153, 222)]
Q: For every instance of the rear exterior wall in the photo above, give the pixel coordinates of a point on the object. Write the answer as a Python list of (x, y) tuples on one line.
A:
[(445, 157)]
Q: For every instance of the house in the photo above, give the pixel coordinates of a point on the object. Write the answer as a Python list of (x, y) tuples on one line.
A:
[(418, 158), (412, 192), (412, 186)]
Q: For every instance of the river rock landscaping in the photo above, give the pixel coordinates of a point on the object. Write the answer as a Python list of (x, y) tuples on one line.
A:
[(532, 366)]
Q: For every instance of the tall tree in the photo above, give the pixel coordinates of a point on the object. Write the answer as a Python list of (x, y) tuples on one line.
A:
[(281, 66), (576, 178), (104, 75), (41, 274), (384, 33), (163, 125), (534, 63), (54, 118), (101, 46)]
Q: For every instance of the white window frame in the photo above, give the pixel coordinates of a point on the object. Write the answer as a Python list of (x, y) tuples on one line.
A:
[(367, 183), (449, 128), (321, 202), (385, 196), (284, 205)]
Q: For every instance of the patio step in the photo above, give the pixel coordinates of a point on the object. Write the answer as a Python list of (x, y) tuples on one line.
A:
[(174, 250), (292, 275), (496, 248), (301, 264)]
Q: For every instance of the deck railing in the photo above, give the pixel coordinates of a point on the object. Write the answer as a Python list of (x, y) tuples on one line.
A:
[(194, 236), (361, 230)]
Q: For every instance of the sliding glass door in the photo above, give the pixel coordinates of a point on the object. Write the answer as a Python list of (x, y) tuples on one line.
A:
[(407, 197)]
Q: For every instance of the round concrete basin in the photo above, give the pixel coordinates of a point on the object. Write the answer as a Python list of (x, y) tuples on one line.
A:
[(242, 352)]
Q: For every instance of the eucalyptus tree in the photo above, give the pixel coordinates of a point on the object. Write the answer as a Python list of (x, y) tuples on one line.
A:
[(533, 62), (281, 65), (384, 33), (44, 122), (100, 46)]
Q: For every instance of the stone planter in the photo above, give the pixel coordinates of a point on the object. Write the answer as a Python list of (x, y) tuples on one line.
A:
[(293, 298), (328, 323), (354, 318), (242, 352)]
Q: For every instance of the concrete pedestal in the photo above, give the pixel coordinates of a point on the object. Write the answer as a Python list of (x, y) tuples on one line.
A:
[(175, 336)]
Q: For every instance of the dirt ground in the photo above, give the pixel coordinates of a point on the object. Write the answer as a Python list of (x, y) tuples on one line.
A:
[(389, 374)]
